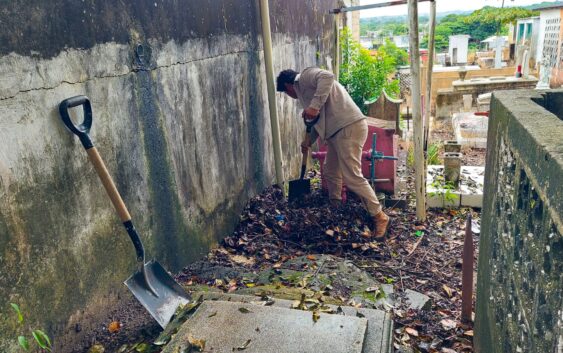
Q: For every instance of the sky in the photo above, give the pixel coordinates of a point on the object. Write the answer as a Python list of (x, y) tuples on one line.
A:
[(441, 6)]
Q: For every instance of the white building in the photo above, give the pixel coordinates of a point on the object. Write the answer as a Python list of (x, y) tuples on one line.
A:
[(458, 49), (401, 41), (549, 33), (526, 37)]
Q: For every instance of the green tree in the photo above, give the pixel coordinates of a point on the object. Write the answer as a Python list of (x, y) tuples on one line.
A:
[(365, 75), (480, 24), (389, 49)]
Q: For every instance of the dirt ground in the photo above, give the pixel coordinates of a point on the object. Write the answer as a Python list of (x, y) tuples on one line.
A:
[(420, 256)]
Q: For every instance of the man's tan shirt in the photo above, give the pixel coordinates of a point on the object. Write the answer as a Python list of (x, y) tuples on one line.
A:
[(316, 88)]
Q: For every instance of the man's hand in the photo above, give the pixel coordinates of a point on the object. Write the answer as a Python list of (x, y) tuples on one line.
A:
[(310, 113)]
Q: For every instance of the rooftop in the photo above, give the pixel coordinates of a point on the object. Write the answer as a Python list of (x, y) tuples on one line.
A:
[(554, 5)]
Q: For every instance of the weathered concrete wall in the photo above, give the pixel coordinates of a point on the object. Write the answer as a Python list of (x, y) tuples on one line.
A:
[(180, 117), (449, 101), (520, 274), (444, 79)]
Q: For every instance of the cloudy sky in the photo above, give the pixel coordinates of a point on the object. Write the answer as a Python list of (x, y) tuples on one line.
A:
[(441, 6)]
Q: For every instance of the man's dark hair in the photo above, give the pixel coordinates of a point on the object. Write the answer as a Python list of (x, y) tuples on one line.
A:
[(286, 76)]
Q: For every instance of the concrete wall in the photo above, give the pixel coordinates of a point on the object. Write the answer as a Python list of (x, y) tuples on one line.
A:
[(180, 117), (520, 274), (444, 79), (449, 101)]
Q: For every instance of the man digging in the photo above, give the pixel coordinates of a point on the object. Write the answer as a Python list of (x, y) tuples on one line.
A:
[(340, 123)]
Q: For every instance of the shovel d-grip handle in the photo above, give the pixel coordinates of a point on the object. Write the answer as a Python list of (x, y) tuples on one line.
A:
[(82, 129)]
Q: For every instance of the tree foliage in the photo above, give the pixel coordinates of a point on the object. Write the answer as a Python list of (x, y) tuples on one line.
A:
[(365, 75), (480, 24), (399, 56)]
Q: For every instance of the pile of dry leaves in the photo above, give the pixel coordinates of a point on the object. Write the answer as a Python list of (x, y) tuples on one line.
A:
[(424, 257)]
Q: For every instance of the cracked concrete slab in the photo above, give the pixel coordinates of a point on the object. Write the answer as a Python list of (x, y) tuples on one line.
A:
[(231, 326), (378, 336)]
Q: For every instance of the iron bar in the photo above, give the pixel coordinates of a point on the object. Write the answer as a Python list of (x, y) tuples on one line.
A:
[(467, 273), (372, 6)]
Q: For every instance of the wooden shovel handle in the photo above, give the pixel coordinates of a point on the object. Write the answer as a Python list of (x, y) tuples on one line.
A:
[(108, 184)]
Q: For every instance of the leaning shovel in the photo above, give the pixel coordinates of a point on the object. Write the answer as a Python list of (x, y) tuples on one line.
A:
[(151, 284)]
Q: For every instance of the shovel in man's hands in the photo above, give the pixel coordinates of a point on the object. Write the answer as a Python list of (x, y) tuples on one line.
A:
[(300, 187)]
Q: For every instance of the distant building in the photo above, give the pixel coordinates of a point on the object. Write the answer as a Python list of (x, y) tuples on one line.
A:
[(527, 37), (458, 49), (401, 41), (489, 43), (548, 52)]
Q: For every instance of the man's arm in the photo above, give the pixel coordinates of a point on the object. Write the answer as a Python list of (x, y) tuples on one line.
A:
[(323, 81)]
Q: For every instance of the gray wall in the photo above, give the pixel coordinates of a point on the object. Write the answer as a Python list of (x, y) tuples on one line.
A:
[(180, 117), (520, 275)]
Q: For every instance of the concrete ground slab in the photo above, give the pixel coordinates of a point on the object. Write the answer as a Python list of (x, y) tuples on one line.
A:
[(379, 334), (233, 326)]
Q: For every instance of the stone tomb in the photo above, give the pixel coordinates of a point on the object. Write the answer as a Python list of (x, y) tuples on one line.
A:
[(470, 130), (469, 193)]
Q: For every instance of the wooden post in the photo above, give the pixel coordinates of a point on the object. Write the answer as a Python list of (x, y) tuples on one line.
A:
[(429, 69), (414, 54)]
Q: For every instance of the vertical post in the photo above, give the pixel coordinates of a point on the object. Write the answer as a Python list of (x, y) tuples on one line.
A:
[(430, 66), (414, 54), (267, 42), (336, 68), (467, 273)]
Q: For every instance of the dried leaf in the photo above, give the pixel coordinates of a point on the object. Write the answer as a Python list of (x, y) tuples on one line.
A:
[(329, 232), (242, 260), (198, 344), (448, 290), (311, 257), (447, 350), (316, 315), (411, 331), (114, 326), (448, 324), (468, 333), (244, 310), (243, 346)]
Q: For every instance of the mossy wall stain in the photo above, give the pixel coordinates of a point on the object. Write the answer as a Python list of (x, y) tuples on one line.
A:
[(63, 251)]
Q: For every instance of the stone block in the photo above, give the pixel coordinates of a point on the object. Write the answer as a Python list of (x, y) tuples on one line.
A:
[(418, 301), (468, 194)]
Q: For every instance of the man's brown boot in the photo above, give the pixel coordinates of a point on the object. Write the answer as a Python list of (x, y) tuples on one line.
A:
[(380, 227)]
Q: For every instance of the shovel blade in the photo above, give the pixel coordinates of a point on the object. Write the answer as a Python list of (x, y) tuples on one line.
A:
[(170, 293), (298, 188)]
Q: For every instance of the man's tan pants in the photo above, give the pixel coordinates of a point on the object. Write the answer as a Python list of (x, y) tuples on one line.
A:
[(344, 161)]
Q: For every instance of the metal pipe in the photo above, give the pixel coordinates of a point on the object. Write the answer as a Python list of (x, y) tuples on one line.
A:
[(467, 273), (267, 43), (372, 6)]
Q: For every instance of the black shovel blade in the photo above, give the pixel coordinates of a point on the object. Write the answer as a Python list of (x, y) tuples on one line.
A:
[(170, 294), (298, 188)]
